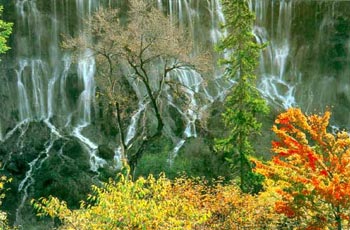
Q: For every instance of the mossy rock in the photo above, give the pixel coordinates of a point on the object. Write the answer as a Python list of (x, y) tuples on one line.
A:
[(105, 152), (63, 178), (74, 150)]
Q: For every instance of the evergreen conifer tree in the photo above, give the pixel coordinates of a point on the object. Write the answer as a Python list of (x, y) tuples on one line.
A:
[(244, 103)]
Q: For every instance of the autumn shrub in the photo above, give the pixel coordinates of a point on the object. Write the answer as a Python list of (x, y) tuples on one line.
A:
[(309, 171), (149, 203), (142, 204), (230, 208)]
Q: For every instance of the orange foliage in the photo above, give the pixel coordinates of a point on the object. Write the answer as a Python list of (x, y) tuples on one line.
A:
[(230, 208), (311, 167)]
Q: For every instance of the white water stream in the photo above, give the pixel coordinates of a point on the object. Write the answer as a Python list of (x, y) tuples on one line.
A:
[(273, 59)]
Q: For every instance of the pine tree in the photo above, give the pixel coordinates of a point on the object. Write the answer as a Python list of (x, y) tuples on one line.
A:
[(244, 103)]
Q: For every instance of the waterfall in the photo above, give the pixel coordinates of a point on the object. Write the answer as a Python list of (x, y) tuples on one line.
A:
[(44, 83), (306, 63), (47, 88), (274, 83), (67, 60), (217, 18), (187, 13), (191, 82), (131, 132), (43, 69), (23, 102), (133, 124), (86, 72)]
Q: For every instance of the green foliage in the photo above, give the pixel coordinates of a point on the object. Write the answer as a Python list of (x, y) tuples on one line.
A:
[(5, 32), (155, 160), (194, 159), (244, 103)]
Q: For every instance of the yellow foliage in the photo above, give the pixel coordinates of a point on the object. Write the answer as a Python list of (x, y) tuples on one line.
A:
[(142, 204), (230, 208), (3, 216), (150, 203), (309, 170)]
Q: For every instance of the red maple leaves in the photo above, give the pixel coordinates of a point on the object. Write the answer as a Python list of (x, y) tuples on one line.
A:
[(312, 166)]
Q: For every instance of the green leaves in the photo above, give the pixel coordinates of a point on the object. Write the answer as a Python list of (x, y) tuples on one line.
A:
[(244, 103), (5, 32)]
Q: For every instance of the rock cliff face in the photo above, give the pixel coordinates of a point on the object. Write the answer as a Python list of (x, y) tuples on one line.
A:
[(40, 164)]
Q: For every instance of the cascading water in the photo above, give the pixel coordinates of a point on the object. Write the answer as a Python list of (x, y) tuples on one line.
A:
[(306, 62), (44, 71), (44, 82), (217, 19), (191, 81), (86, 72), (23, 102), (188, 13), (29, 180), (273, 61), (54, 87)]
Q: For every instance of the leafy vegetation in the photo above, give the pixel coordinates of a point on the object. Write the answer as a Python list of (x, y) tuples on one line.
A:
[(310, 170), (161, 203), (3, 216), (5, 32), (306, 184), (306, 187), (244, 103)]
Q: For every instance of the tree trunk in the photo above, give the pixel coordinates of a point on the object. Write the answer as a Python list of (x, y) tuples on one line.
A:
[(144, 79), (155, 108), (121, 133), (338, 218)]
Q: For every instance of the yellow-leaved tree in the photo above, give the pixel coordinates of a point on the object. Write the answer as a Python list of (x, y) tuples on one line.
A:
[(142, 204), (310, 170), (150, 203)]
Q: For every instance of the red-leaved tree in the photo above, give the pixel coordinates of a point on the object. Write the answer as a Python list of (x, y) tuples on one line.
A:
[(310, 170)]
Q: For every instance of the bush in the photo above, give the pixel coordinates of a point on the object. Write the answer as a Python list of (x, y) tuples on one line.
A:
[(162, 203)]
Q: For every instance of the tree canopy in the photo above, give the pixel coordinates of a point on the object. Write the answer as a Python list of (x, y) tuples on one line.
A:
[(310, 170)]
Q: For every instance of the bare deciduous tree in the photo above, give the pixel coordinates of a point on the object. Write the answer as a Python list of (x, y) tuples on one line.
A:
[(146, 49)]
